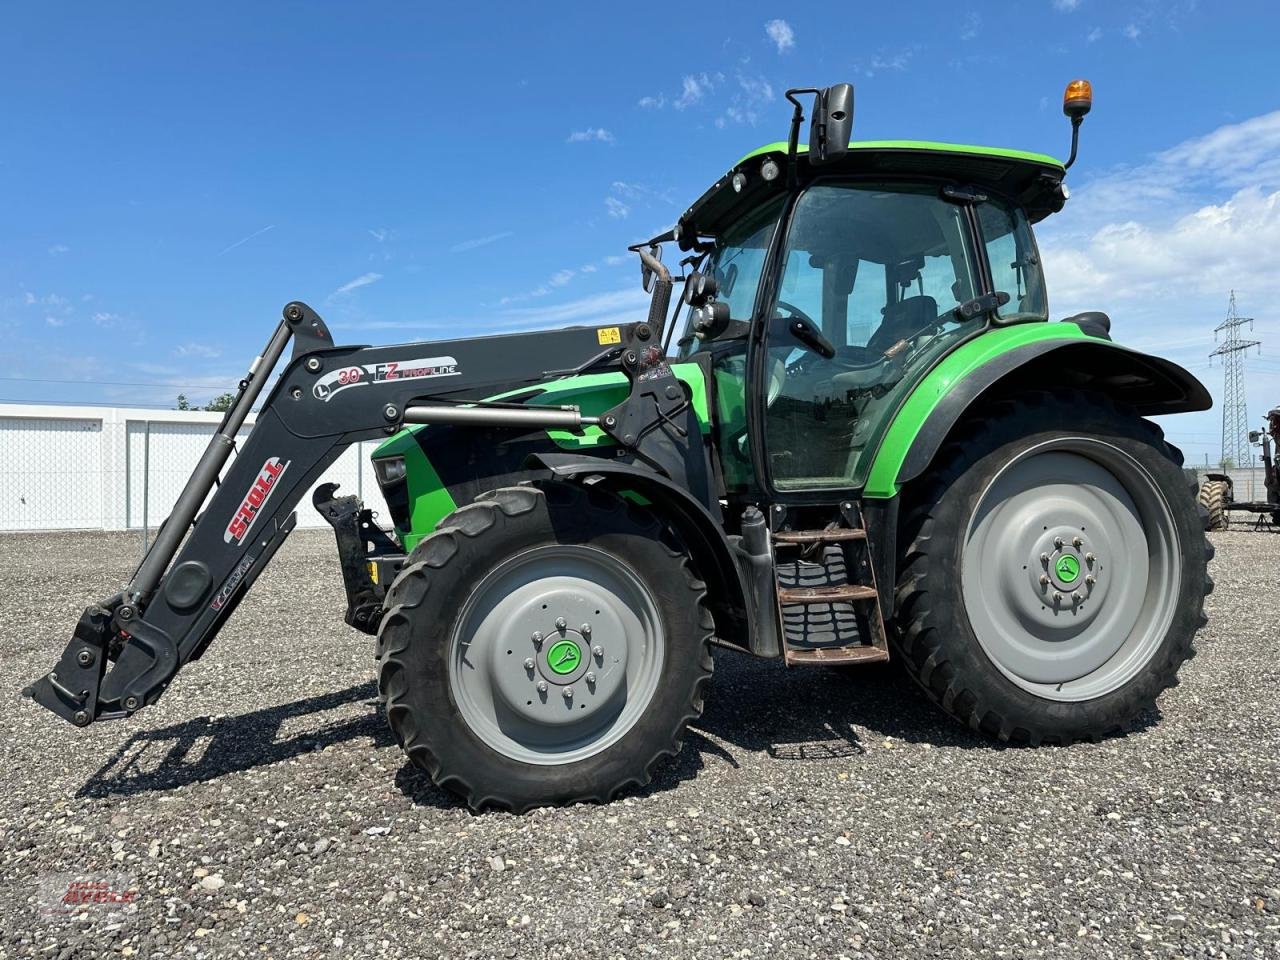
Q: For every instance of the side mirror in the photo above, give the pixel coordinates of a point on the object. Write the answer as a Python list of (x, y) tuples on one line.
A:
[(832, 123), (1255, 436), (646, 272)]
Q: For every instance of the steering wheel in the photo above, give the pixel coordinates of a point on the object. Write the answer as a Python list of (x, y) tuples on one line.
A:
[(797, 312)]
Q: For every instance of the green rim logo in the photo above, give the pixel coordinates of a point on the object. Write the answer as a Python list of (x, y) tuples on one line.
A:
[(563, 657), (1068, 568)]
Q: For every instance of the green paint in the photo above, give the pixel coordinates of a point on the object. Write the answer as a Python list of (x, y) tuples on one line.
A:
[(882, 481), (923, 146), (563, 657), (594, 393), (1068, 568)]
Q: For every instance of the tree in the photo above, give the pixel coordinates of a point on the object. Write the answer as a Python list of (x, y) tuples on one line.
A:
[(183, 402), (221, 403)]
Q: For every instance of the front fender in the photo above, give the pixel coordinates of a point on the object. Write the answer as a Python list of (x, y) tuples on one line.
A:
[(1059, 354), (701, 532)]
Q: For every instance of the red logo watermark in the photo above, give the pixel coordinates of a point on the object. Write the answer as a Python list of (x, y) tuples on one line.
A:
[(268, 477), (67, 893)]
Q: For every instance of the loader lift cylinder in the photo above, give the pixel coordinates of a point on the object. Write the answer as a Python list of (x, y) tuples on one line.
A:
[(206, 472)]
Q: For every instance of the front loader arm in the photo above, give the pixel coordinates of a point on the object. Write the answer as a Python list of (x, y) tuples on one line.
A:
[(202, 564)]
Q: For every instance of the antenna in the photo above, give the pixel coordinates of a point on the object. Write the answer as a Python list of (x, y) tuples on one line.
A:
[(1235, 418)]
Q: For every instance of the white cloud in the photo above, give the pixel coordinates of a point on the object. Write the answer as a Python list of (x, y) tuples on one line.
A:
[(1133, 31), (106, 320), (617, 209), (656, 102), (199, 350), (381, 234), (1066, 6), (58, 249), (54, 321), (561, 277), (971, 26), (361, 281), (780, 32), (591, 134), (752, 95), (466, 245), (1094, 35), (693, 87), (621, 305), (896, 61)]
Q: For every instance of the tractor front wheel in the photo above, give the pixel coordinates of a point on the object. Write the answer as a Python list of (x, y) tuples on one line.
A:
[(547, 644), (1055, 571)]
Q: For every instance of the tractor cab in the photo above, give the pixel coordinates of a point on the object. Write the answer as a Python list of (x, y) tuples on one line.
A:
[(823, 296)]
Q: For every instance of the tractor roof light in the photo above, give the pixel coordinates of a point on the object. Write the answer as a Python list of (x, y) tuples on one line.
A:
[(739, 181), (770, 170), (1077, 99)]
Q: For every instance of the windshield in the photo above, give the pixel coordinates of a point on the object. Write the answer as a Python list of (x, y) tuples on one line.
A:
[(736, 263)]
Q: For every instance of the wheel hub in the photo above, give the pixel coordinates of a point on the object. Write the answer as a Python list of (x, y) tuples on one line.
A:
[(1065, 567)]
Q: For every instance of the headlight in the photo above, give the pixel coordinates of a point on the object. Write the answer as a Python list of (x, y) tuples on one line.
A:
[(389, 469)]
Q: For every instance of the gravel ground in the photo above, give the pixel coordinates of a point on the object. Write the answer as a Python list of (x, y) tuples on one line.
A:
[(262, 808)]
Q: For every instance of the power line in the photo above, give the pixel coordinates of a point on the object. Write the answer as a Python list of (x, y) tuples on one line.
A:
[(1235, 416)]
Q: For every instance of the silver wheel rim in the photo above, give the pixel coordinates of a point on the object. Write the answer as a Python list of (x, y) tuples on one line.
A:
[(1070, 569), (556, 654)]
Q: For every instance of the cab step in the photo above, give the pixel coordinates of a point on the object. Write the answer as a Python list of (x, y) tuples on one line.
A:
[(807, 537), (836, 552), (836, 656), (840, 593)]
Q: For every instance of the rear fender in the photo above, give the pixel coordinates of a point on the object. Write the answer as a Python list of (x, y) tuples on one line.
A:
[(1149, 385)]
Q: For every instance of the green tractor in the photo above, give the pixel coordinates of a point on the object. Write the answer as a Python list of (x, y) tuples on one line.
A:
[(856, 435)]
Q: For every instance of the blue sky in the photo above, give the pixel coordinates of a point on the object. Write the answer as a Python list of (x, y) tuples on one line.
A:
[(170, 175)]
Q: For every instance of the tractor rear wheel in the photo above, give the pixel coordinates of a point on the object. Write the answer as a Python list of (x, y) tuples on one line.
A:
[(1055, 571), (1214, 496), (547, 644)]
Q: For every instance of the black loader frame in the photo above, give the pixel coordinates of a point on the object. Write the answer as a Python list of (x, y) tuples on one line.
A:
[(125, 651)]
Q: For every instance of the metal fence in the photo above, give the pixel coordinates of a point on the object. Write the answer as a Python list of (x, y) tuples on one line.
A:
[(115, 468)]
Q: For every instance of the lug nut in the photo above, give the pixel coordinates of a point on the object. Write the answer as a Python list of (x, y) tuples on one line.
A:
[(1044, 559), (1089, 558), (1057, 542), (1077, 542), (1090, 580), (568, 693), (1057, 597), (591, 679), (313, 364), (598, 652), (561, 623), (542, 686), (537, 638), (528, 663), (585, 630), (1075, 596), (1044, 579)]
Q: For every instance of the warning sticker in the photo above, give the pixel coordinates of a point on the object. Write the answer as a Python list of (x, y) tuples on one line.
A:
[(608, 335)]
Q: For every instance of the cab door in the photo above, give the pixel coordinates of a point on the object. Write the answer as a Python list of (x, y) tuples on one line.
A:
[(870, 276)]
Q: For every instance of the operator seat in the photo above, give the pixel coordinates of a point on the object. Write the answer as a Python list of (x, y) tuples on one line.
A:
[(903, 319)]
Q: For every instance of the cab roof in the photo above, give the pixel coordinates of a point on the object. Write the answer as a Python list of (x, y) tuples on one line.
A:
[(1034, 179)]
